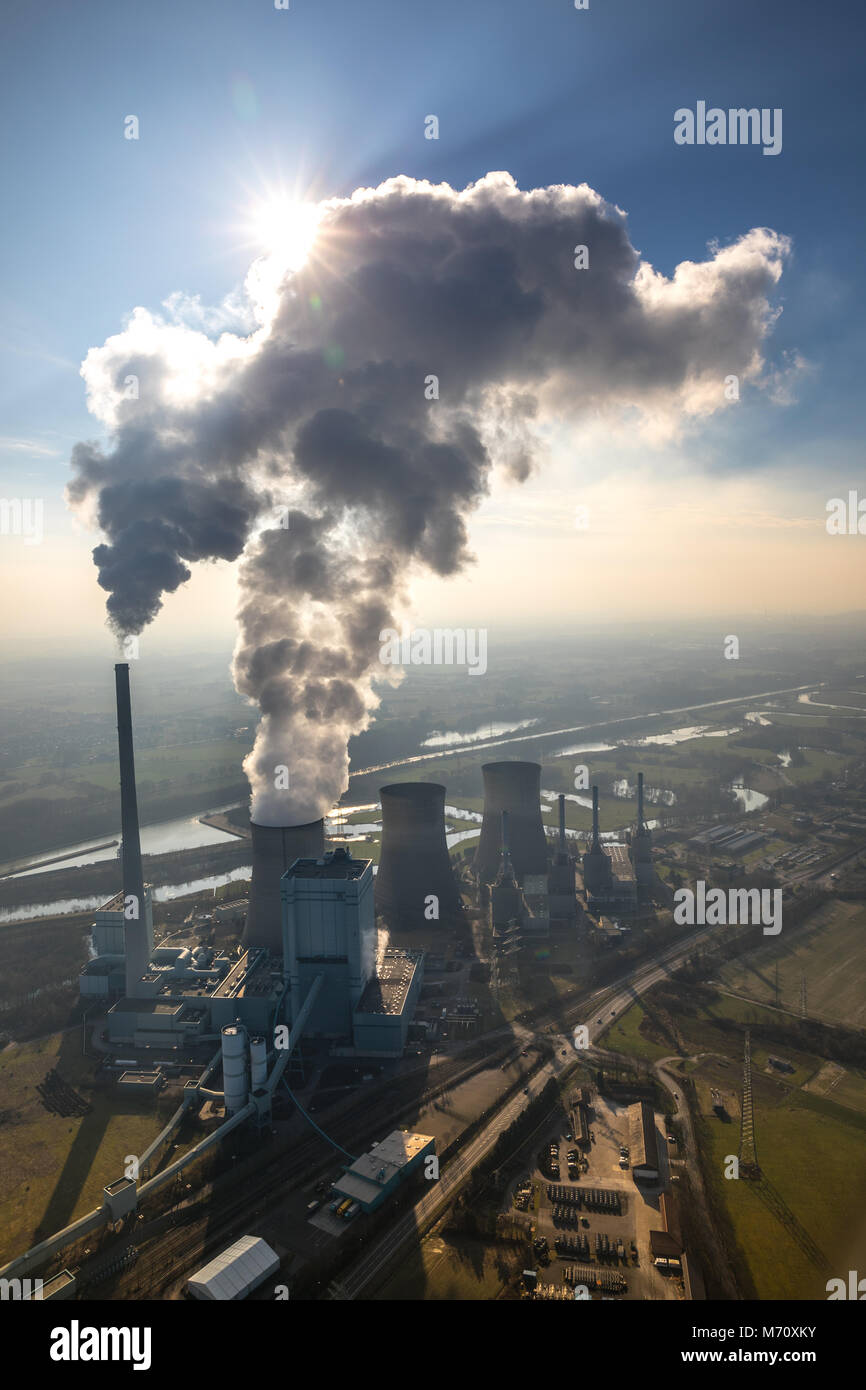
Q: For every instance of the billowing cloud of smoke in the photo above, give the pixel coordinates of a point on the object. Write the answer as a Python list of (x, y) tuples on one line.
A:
[(322, 408)]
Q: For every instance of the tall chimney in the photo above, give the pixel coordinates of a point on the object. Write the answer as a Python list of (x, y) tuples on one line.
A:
[(134, 928), (595, 839), (562, 823), (640, 801)]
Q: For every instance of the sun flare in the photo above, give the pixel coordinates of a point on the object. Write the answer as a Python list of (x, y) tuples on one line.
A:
[(285, 229)]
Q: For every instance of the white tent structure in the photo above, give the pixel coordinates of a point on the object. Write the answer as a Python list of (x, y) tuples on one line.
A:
[(236, 1272)]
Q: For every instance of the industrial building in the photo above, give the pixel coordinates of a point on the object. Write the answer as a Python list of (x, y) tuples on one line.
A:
[(609, 877), (104, 975), (375, 1176), (415, 883), (515, 788), (236, 1272), (381, 1021), (329, 929), (644, 1142)]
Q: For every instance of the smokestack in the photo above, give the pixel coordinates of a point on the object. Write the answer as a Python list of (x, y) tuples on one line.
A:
[(414, 862), (516, 789), (595, 839), (275, 849), (640, 801), (562, 823), (134, 928)]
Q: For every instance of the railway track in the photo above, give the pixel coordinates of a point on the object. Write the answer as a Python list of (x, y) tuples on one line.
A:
[(166, 1255)]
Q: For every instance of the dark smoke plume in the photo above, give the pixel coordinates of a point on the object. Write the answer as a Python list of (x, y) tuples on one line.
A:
[(321, 411)]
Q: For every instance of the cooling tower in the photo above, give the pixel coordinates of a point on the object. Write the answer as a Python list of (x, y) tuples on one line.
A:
[(134, 926), (275, 849), (515, 788), (414, 863)]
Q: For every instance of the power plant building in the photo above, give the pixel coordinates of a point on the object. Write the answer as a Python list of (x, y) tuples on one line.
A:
[(381, 1020), (104, 975), (329, 929)]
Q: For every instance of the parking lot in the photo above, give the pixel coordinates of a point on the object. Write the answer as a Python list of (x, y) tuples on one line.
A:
[(586, 1207)]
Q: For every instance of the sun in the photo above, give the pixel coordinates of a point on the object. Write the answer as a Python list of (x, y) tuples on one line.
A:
[(284, 228)]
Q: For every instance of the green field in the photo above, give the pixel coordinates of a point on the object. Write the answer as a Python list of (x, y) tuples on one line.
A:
[(792, 1229), (828, 950), (444, 1268), (814, 1184), (53, 1168)]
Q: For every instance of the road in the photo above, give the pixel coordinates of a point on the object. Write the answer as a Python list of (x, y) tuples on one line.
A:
[(597, 1011), (700, 1209)]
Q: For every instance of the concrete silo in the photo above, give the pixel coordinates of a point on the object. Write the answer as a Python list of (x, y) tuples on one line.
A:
[(514, 788), (414, 864), (258, 1062), (234, 1055), (275, 849)]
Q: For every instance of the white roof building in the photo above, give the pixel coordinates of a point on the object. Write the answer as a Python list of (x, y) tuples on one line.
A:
[(236, 1272)]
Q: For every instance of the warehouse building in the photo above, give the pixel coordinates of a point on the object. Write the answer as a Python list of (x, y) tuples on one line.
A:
[(376, 1175), (236, 1272), (644, 1142)]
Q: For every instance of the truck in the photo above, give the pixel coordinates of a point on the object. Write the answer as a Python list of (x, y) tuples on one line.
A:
[(344, 1206)]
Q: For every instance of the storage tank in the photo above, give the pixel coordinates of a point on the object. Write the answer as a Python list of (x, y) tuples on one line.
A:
[(515, 788), (258, 1062), (275, 849), (234, 1050), (414, 863)]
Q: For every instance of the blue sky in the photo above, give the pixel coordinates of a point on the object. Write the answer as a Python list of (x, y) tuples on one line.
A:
[(234, 98)]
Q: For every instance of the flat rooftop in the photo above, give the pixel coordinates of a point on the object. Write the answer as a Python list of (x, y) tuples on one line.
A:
[(114, 904), (387, 992), (336, 864), (383, 1163), (168, 1008), (250, 977)]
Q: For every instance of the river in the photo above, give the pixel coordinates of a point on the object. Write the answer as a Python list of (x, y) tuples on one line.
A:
[(188, 832)]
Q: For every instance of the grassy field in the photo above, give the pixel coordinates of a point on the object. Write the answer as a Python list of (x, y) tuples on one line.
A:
[(814, 1183), (625, 1036), (828, 950), (444, 1268), (53, 1168), (794, 1227), (209, 763)]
